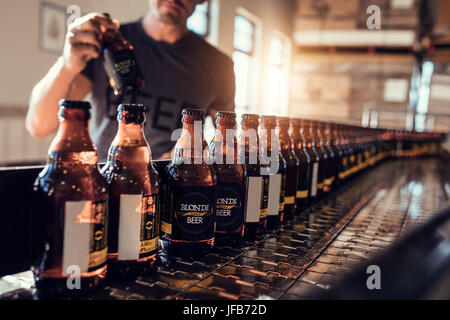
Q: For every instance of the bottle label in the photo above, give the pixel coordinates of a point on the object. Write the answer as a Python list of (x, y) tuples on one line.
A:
[(274, 194), (289, 200), (315, 173), (85, 243), (229, 207), (302, 194), (359, 161), (282, 192), (138, 226), (192, 213), (344, 170), (264, 197), (121, 68), (253, 199), (122, 63)]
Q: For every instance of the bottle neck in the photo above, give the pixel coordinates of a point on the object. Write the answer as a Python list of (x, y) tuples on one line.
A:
[(72, 143), (224, 144), (130, 145), (294, 133), (283, 136), (191, 144), (130, 135), (266, 134), (249, 142), (306, 133)]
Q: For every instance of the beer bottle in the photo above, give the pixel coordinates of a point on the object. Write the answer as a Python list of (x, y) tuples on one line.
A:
[(230, 180), (189, 220), (304, 167), (248, 152), (336, 144), (74, 218), (330, 152), (323, 155), (119, 59), (360, 149), (314, 173), (133, 225), (274, 170), (351, 164), (345, 147), (292, 163)]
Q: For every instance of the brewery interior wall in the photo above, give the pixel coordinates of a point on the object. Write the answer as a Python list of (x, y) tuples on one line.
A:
[(341, 68), (332, 82)]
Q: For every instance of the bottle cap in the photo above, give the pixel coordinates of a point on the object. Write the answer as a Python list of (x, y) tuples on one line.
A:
[(193, 112), (132, 107), (268, 118), (283, 121), (74, 104), (250, 116), (226, 114)]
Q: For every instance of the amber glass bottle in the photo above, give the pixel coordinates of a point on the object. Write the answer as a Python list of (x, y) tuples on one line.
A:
[(314, 156), (248, 152), (119, 59), (333, 137), (292, 164), (188, 221), (350, 154), (230, 181), (331, 156), (75, 193), (274, 170), (133, 224), (304, 167), (317, 165), (323, 155)]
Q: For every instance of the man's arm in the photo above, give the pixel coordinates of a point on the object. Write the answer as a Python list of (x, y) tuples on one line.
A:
[(59, 83), (64, 80)]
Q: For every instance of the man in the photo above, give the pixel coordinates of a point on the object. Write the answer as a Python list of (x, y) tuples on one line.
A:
[(179, 67)]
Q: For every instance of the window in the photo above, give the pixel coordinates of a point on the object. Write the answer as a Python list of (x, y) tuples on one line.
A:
[(199, 21), (277, 90), (244, 47), (424, 96)]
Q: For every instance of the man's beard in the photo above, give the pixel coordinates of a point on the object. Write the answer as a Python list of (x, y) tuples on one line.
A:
[(169, 17)]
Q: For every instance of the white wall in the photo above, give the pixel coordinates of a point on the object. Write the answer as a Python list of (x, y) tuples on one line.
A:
[(275, 15), (23, 63)]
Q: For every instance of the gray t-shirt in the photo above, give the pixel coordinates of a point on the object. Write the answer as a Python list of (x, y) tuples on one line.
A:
[(189, 72)]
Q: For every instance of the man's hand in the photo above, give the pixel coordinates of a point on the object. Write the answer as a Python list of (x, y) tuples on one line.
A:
[(64, 80), (83, 40)]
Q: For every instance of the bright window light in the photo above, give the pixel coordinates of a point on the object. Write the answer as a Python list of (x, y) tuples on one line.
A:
[(276, 78), (198, 22), (242, 71), (244, 34), (244, 44)]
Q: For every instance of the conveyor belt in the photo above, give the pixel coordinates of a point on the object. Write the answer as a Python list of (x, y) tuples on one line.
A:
[(308, 254)]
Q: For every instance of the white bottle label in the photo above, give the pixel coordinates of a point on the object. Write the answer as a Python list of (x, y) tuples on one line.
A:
[(253, 199), (315, 173), (77, 235), (274, 195), (129, 226)]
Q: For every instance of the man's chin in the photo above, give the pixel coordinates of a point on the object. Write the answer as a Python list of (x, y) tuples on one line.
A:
[(170, 18)]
